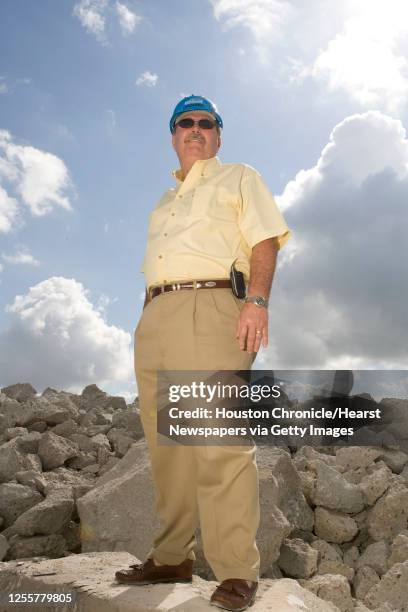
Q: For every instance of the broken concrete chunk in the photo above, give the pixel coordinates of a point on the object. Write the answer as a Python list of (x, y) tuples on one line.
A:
[(20, 392), (290, 499), (33, 462), (389, 515), (47, 517), (330, 560), (29, 442), (365, 578), (395, 459), (65, 428), (54, 450), (4, 546), (356, 457), (375, 484), (392, 589), (334, 526), (31, 478), (335, 492), (14, 432), (120, 441), (375, 556), (15, 499), (399, 550), (12, 460), (335, 589), (297, 558), (52, 546)]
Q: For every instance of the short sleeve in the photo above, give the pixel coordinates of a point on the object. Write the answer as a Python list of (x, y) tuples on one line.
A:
[(259, 218)]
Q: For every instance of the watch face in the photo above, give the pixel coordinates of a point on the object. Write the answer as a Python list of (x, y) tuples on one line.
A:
[(258, 301)]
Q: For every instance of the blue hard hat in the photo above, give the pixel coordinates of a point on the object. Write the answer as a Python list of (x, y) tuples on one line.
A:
[(195, 103)]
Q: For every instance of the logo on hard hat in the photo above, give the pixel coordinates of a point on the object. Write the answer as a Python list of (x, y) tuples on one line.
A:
[(193, 101)]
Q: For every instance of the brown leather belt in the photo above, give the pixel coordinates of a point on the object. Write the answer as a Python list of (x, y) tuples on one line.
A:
[(197, 284)]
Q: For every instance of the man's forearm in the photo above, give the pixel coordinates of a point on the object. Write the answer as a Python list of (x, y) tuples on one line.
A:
[(252, 326), (263, 264)]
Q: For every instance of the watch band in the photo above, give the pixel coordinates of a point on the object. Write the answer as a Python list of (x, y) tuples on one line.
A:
[(258, 300)]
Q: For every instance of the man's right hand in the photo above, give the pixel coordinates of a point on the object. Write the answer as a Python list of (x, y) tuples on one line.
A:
[(252, 328)]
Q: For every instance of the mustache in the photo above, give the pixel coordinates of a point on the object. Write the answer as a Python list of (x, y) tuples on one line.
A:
[(192, 137)]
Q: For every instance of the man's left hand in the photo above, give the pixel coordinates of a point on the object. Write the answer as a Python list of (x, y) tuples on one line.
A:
[(252, 328)]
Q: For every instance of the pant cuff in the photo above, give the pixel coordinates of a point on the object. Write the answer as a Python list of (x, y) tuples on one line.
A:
[(242, 573), (167, 558)]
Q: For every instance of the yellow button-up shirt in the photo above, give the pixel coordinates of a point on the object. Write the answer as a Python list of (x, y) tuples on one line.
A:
[(210, 219)]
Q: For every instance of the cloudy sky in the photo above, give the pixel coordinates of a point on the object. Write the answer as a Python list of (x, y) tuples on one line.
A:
[(313, 94)]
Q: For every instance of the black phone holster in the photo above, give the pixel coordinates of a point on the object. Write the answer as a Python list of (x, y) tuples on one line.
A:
[(237, 283)]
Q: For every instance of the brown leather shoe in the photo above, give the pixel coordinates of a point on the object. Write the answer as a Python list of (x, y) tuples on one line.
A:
[(149, 573), (234, 594)]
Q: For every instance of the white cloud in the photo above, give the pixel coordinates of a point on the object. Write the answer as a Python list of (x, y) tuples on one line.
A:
[(41, 179), (357, 46), (3, 85), (95, 16), (59, 338), (340, 299), (21, 257), (147, 78), (127, 19), (8, 171), (264, 18), (44, 179), (103, 303), (91, 14), (9, 211), (365, 58)]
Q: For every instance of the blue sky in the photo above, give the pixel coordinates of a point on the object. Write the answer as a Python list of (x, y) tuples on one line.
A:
[(313, 94)]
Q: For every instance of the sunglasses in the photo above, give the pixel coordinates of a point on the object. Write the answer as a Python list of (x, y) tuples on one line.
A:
[(204, 124)]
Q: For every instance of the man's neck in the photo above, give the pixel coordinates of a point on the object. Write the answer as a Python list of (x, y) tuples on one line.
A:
[(185, 168)]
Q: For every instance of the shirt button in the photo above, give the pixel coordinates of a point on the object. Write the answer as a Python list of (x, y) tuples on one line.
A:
[(165, 234), (173, 214), (160, 256), (180, 196)]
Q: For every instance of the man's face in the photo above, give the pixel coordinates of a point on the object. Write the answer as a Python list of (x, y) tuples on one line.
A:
[(195, 143)]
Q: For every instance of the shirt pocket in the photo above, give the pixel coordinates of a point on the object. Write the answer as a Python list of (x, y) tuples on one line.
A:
[(213, 204)]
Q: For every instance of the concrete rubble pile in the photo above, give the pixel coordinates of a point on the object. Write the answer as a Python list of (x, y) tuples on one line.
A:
[(53, 447), (75, 483)]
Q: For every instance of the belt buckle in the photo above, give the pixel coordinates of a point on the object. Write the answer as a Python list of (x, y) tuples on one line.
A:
[(210, 284)]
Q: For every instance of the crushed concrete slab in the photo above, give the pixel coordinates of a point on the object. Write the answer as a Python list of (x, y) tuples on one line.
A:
[(90, 577), (118, 513)]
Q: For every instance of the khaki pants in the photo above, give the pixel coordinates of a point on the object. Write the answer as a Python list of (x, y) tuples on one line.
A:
[(216, 486)]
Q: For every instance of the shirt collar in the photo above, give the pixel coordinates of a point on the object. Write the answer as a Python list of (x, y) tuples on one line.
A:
[(204, 167)]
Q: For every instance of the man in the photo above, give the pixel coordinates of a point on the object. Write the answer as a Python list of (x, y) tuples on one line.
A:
[(216, 215)]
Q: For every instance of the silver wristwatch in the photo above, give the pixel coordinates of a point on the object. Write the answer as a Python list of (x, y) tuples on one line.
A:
[(258, 300)]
